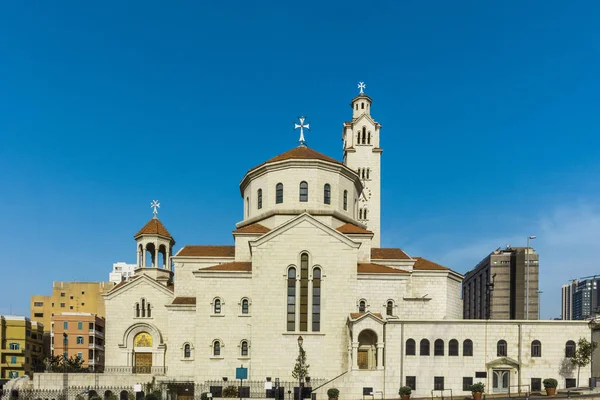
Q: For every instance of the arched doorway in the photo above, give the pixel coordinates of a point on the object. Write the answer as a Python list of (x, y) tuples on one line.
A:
[(367, 350), (142, 362)]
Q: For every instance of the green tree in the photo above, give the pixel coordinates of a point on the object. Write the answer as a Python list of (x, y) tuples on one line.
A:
[(301, 373), (583, 354)]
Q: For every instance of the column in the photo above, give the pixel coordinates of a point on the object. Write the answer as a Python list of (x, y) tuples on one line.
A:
[(138, 260), (354, 355), (168, 259), (144, 256), (380, 355), (155, 263)]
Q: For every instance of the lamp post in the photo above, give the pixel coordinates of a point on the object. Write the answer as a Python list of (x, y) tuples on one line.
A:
[(300, 341), (529, 238), (65, 350)]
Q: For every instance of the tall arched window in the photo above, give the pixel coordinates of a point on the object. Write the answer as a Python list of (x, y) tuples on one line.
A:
[(411, 349), (365, 213), (536, 348), (438, 347), (216, 348), (279, 193), (360, 214), (259, 199), (303, 191), (424, 347), (327, 194), (316, 300), (149, 313), (187, 352), (291, 300), (570, 349), (364, 135), (369, 138), (247, 206), (217, 306), (368, 173), (304, 292), (389, 308), (468, 348), (245, 307), (362, 306), (363, 172), (453, 347), (244, 349), (143, 308), (137, 310), (345, 200), (501, 348)]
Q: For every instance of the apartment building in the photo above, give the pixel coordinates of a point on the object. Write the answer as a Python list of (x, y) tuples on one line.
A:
[(79, 335), (21, 350)]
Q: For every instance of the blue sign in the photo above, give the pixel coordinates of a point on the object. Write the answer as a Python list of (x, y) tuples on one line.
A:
[(241, 373)]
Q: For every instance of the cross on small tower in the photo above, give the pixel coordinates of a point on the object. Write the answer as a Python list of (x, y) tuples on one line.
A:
[(302, 126), (155, 204), (362, 86)]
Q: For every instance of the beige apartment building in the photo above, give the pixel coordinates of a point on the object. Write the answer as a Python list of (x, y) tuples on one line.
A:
[(20, 346), (79, 335)]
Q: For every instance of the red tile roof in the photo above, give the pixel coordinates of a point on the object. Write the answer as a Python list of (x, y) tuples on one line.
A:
[(184, 300), (207, 251), (351, 228), (388, 254), (425, 265), (299, 153), (254, 228), (154, 227), (232, 266), (370, 268), (359, 314), (123, 283)]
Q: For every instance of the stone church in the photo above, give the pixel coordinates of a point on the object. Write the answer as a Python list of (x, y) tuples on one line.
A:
[(306, 261)]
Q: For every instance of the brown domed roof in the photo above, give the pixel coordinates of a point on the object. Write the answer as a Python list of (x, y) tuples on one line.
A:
[(299, 153), (154, 227)]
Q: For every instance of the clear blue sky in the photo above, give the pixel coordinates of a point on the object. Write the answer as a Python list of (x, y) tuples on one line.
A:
[(490, 115)]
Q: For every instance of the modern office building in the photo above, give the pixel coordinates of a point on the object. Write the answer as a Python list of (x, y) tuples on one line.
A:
[(497, 287), (121, 272), (79, 335), (585, 300), (21, 346), (568, 292)]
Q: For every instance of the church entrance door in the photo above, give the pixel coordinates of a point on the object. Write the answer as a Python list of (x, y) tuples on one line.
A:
[(501, 380), (143, 363)]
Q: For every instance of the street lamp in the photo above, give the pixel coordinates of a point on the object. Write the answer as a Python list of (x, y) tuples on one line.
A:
[(529, 238), (300, 341)]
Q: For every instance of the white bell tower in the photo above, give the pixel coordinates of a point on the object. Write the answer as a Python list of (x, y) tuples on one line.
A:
[(362, 153)]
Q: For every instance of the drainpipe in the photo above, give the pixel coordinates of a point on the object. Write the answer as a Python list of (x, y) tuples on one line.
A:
[(402, 351), (520, 346)]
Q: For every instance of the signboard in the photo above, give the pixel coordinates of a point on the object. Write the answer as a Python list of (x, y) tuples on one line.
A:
[(241, 373), (268, 385), (137, 388)]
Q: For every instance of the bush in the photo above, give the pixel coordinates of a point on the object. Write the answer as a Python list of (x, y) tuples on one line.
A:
[(550, 383), (152, 396), (204, 396), (333, 393), (230, 391), (405, 391), (478, 387)]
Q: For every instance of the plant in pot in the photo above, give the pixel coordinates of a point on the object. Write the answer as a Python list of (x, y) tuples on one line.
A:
[(550, 385), (477, 390), (405, 392), (333, 393)]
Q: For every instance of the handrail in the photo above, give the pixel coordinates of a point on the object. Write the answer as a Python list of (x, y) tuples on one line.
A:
[(329, 381)]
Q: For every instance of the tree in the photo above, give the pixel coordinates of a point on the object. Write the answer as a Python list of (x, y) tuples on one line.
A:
[(301, 373), (583, 354)]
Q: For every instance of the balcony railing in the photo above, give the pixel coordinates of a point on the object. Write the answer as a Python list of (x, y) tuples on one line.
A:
[(96, 332), (96, 346), (136, 370)]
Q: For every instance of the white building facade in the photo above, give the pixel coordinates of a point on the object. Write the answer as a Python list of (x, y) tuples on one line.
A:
[(121, 272), (306, 261)]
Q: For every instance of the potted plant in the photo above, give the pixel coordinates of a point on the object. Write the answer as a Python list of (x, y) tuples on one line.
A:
[(477, 390), (405, 392), (333, 393), (550, 385)]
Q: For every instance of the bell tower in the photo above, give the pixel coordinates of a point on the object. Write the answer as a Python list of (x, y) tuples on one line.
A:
[(362, 153)]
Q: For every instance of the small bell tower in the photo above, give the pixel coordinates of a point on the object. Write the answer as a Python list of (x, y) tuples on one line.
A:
[(154, 249), (362, 153)]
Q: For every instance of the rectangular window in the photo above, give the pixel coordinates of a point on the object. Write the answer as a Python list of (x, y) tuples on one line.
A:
[(411, 382), (291, 300), (62, 305), (80, 340), (80, 355), (71, 297), (438, 383), (316, 300), (570, 383), (62, 295), (14, 346), (13, 374), (80, 325), (38, 315), (66, 325), (13, 359), (481, 374), (304, 292), (65, 355), (536, 384), (216, 391), (467, 382), (38, 304)]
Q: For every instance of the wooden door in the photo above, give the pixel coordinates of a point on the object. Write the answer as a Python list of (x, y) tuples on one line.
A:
[(143, 363), (363, 359)]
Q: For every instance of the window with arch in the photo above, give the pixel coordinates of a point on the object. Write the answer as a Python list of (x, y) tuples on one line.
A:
[(345, 200), (327, 194), (369, 138), (411, 347), (303, 292), (467, 348), (217, 306), (316, 300), (389, 307), (438, 347), (360, 213), (143, 309), (244, 348), (279, 193), (570, 349), (247, 206), (259, 199), (362, 306), (424, 347), (245, 306), (291, 299), (536, 348), (501, 350), (217, 348), (364, 135), (368, 173), (453, 347), (303, 191), (187, 351), (362, 106)]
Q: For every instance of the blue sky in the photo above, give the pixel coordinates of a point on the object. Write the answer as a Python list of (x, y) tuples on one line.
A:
[(489, 112)]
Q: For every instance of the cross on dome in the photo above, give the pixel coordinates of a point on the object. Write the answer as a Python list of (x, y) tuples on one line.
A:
[(155, 204), (362, 87), (302, 126)]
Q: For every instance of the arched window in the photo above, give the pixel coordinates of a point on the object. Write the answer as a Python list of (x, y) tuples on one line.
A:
[(187, 351), (291, 300), (143, 308), (368, 172), (259, 199), (345, 200), (362, 306), (369, 138), (453, 347), (389, 308), (536, 348), (468, 348), (137, 310), (364, 135), (149, 314), (279, 193), (245, 307), (570, 349), (217, 306), (501, 348), (360, 214), (247, 206), (424, 347), (411, 347), (303, 191), (438, 347), (362, 106), (244, 349), (316, 300), (216, 348), (365, 213), (303, 292), (363, 172), (327, 193)]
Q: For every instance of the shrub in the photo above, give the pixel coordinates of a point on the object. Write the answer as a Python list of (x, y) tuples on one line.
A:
[(230, 391), (478, 387), (204, 396), (550, 383), (333, 393), (405, 391), (152, 396)]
